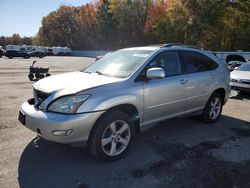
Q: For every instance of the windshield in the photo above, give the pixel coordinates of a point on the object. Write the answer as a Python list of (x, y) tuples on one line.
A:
[(118, 64), (244, 67)]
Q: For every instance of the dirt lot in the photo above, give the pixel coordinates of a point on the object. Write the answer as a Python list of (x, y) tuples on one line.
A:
[(181, 152)]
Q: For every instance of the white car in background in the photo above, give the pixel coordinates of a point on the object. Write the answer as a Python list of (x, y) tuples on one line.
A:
[(240, 78)]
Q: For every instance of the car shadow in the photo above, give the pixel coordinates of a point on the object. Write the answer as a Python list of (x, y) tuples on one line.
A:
[(241, 96), (47, 164)]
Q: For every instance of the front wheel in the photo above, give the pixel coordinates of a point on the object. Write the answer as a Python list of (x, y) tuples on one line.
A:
[(213, 108), (112, 136)]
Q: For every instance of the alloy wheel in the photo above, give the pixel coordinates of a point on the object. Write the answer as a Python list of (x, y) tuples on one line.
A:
[(115, 138), (215, 108)]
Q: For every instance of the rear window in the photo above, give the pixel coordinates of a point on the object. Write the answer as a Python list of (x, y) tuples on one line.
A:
[(196, 62)]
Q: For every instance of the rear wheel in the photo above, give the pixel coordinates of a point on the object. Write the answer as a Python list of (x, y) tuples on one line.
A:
[(112, 136), (213, 108)]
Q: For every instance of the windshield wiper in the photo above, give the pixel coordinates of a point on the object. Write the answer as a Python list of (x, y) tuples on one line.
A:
[(101, 73), (87, 72)]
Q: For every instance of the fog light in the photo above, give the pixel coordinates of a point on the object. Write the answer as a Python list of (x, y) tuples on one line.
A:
[(62, 132)]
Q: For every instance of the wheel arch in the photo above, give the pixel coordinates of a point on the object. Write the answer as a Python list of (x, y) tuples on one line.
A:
[(128, 109), (221, 92)]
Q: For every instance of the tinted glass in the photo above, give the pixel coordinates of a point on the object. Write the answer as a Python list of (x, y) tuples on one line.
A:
[(119, 64), (169, 61), (196, 62)]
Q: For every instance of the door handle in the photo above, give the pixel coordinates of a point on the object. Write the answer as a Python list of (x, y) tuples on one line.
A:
[(183, 81), (212, 76)]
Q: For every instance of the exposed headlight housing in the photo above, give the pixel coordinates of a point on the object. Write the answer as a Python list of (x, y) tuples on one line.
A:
[(68, 104)]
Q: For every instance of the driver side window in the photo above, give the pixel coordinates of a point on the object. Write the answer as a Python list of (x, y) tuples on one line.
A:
[(169, 62)]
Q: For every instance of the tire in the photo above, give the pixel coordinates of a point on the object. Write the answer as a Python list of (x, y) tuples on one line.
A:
[(47, 74), (213, 108), (31, 76), (42, 76), (114, 130), (37, 75)]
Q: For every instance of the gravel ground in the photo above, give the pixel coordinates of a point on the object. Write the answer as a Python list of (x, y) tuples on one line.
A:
[(181, 152)]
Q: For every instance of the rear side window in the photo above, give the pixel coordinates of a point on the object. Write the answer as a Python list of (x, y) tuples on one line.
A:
[(196, 62)]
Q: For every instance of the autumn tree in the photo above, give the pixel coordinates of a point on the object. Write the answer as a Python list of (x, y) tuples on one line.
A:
[(60, 27), (88, 27), (113, 24)]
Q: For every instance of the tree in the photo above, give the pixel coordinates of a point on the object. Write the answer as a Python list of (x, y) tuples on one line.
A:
[(107, 26), (16, 39), (88, 27), (59, 28)]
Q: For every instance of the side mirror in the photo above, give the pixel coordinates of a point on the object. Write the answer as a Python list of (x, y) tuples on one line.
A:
[(155, 73)]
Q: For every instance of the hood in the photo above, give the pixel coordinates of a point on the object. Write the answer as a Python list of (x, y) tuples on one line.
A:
[(73, 82), (240, 75)]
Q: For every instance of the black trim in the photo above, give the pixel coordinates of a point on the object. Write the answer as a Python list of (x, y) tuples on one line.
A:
[(180, 45), (22, 117)]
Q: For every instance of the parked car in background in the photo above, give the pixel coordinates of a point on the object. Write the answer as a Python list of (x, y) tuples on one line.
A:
[(14, 53), (49, 51), (17, 51), (234, 60), (240, 78), (1, 51), (98, 57), (126, 92), (232, 65), (58, 51), (38, 51)]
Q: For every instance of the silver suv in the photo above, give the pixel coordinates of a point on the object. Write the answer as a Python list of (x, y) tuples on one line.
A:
[(125, 92)]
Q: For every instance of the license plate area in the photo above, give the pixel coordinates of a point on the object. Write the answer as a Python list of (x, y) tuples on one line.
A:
[(21, 117)]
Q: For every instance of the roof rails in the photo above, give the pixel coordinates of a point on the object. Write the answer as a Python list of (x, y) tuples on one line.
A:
[(180, 45)]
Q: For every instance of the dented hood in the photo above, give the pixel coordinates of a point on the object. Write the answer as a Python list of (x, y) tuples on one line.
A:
[(72, 82)]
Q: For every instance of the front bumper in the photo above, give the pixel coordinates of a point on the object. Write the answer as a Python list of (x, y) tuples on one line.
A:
[(240, 86), (44, 123)]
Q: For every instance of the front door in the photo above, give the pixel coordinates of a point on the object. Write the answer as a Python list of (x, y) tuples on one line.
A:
[(164, 98)]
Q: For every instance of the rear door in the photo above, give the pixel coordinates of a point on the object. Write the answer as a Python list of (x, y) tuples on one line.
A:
[(200, 76)]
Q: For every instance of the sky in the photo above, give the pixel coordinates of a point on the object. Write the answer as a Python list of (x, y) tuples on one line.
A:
[(24, 16)]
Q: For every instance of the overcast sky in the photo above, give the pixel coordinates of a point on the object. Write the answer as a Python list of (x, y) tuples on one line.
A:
[(24, 16)]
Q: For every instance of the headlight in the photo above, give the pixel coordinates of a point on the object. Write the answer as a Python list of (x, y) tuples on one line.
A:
[(68, 104)]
